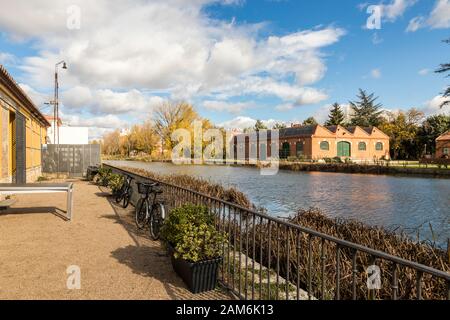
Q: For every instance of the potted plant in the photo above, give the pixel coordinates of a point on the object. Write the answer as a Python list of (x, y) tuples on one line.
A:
[(194, 246)]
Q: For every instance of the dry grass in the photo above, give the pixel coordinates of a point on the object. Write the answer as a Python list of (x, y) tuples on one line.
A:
[(199, 185), (318, 275)]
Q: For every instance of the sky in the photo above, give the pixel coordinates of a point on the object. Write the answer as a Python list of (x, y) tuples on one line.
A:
[(235, 60)]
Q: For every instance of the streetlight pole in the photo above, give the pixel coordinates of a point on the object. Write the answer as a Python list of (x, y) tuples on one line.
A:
[(56, 105)]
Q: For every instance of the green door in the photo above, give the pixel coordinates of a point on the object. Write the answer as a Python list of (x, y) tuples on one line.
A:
[(299, 148), (285, 151), (343, 149)]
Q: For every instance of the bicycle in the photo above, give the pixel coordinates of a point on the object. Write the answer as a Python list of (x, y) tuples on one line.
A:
[(125, 192), (150, 212)]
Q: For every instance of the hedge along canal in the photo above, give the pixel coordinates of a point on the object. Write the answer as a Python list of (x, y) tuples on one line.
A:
[(419, 206)]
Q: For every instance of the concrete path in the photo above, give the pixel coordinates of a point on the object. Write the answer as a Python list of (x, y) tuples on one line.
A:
[(116, 261)]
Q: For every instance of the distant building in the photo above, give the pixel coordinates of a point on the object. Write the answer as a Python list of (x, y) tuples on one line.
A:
[(22, 132), (319, 142), (443, 146), (67, 134)]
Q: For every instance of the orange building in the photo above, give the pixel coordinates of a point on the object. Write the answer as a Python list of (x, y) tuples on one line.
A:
[(443, 146), (318, 142)]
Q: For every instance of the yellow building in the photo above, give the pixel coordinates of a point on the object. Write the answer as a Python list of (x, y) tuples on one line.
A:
[(23, 129)]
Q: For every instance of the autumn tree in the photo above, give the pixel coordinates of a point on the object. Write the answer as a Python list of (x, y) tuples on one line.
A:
[(111, 143), (336, 116), (366, 111), (172, 116)]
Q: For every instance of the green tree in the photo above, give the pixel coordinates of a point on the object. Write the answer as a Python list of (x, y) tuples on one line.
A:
[(278, 126), (432, 128), (310, 122), (402, 128), (445, 68), (366, 111), (259, 125), (336, 116)]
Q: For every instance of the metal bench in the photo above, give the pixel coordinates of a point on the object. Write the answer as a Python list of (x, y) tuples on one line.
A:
[(32, 188), (5, 204)]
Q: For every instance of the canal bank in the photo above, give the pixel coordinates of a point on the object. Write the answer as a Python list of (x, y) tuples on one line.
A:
[(398, 168), (416, 205), (295, 248)]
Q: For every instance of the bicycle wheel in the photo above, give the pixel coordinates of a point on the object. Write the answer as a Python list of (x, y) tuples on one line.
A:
[(127, 197), (140, 213), (156, 221), (119, 195)]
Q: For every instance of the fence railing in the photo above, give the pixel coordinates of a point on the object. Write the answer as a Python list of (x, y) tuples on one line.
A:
[(269, 258)]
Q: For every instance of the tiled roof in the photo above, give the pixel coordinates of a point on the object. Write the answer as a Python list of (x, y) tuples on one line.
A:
[(15, 89), (351, 129), (368, 129), (298, 131), (444, 137)]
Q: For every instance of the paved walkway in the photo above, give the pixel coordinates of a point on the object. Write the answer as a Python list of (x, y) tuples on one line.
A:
[(116, 261)]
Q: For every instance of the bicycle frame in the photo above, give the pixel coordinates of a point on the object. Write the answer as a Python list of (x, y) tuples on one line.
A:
[(146, 199)]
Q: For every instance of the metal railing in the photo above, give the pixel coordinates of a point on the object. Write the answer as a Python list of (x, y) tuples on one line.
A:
[(269, 258)]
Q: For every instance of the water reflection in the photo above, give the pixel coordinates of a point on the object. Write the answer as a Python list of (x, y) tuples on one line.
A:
[(388, 201)]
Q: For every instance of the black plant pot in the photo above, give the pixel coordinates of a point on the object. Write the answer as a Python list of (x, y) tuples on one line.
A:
[(198, 276)]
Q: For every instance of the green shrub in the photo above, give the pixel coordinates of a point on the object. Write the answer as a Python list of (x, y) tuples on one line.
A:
[(337, 160), (190, 230), (102, 177), (115, 182), (328, 160)]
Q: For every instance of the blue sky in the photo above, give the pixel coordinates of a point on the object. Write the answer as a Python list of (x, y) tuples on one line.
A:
[(236, 61)]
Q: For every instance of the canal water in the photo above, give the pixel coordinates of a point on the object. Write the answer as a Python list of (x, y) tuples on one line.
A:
[(417, 205)]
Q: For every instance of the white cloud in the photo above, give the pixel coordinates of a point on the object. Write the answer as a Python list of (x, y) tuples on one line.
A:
[(246, 122), (415, 24), (7, 58), (104, 122), (424, 72), (229, 107), (269, 87), (433, 106), (98, 125), (321, 114), (285, 107), (375, 73), (396, 9), (439, 18), (172, 47), (106, 101), (38, 98)]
